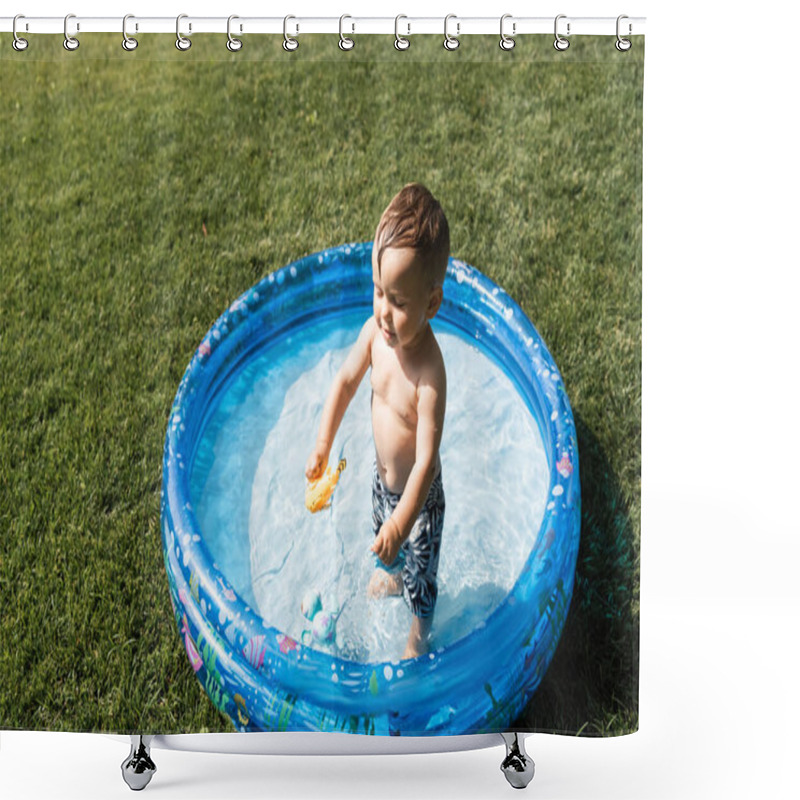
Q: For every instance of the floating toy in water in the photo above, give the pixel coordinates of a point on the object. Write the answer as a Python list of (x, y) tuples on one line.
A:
[(323, 621), (318, 493), (311, 604), (323, 627)]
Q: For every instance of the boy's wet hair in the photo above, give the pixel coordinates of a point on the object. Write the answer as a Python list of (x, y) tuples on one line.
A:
[(415, 219)]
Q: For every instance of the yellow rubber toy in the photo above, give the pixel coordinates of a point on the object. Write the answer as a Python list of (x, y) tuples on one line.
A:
[(318, 493)]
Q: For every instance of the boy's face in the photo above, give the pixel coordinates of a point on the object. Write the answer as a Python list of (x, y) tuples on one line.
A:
[(403, 299)]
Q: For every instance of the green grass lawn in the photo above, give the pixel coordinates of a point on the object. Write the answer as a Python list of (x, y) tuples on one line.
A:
[(143, 192)]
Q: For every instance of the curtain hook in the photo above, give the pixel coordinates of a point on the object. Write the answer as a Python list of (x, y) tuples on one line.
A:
[(19, 44), (234, 44), (400, 42), (182, 43), (128, 42), (70, 42), (451, 42), (290, 44), (561, 44), (507, 42), (345, 42), (623, 44)]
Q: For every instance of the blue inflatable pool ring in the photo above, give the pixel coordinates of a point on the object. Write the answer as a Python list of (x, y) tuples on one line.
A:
[(263, 679)]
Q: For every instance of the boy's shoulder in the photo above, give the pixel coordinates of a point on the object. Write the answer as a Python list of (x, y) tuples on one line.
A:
[(368, 330)]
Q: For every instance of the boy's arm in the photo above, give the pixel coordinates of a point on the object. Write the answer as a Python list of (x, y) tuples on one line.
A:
[(341, 393), (432, 395)]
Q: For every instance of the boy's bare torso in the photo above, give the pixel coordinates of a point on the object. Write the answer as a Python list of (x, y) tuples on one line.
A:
[(395, 378)]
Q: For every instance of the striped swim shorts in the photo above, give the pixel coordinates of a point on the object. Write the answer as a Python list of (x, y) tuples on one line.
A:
[(419, 554)]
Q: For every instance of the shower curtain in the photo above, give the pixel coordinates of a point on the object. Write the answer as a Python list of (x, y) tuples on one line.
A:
[(147, 195)]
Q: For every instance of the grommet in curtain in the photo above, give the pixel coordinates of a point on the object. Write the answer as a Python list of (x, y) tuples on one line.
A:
[(560, 43), (623, 45), (400, 42), (345, 42), (290, 44), (70, 42), (182, 43), (128, 42), (506, 42), (450, 42), (19, 44), (233, 44)]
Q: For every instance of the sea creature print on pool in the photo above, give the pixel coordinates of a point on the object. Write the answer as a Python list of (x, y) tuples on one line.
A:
[(246, 560)]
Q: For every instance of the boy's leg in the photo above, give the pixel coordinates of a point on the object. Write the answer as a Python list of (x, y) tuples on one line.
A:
[(384, 584), (420, 569), (418, 637)]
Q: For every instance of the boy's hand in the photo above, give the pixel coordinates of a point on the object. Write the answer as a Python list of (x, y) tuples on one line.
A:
[(317, 461), (387, 542)]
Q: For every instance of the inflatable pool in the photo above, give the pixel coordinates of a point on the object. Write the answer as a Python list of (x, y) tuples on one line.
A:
[(235, 621)]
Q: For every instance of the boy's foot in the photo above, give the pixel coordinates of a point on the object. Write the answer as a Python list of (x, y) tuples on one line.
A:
[(418, 641), (413, 650), (384, 584)]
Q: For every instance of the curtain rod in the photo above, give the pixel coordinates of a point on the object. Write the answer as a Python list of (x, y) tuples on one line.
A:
[(74, 25)]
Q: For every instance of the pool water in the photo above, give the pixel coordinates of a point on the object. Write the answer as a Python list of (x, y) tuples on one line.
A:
[(248, 486)]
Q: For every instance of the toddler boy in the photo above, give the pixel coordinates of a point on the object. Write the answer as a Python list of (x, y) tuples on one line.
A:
[(409, 387)]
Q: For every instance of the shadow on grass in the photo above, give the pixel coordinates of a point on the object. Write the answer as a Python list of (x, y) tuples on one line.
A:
[(592, 685)]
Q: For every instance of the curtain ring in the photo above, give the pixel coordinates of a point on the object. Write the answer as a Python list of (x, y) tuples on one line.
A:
[(70, 42), (345, 42), (290, 44), (182, 43), (128, 42), (622, 44), (507, 42), (234, 44), (19, 44), (451, 42), (560, 44), (400, 42)]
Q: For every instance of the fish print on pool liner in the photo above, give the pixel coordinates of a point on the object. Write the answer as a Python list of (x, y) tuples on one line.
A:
[(191, 649), (241, 709), (255, 650), (286, 643)]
